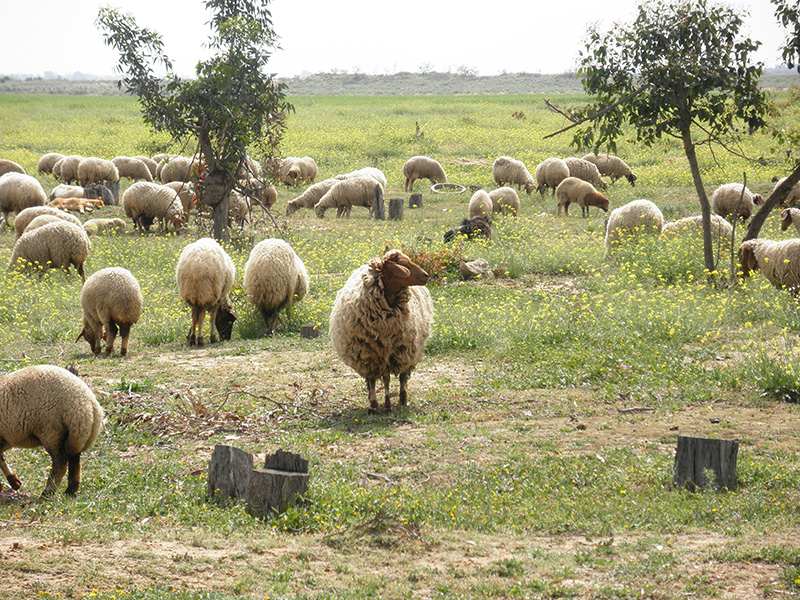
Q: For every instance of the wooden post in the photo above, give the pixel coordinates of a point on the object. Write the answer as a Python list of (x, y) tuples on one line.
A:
[(229, 472), (377, 206), (282, 481), (309, 330), (113, 187), (396, 209), (415, 200), (698, 459)]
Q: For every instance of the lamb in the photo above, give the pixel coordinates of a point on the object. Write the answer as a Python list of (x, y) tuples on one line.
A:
[(380, 322), (9, 166), (583, 169), (471, 228), (634, 218), (96, 190), (550, 173), (512, 171), (422, 167), (46, 162), (581, 193), (144, 202), (29, 214), (274, 278), (100, 226), (310, 197), (48, 406), (778, 260), (111, 300), (18, 192), (720, 228), (52, 246), (347, 193), (205, 274), (295, 171), (505, 200), (66, 169), (480, 205), (96, 170), (611, 166), (728, 201), (132, 168)]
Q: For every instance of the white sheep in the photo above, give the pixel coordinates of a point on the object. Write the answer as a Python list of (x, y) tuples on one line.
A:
[(151, 165), (505, 200), (144, 202), (347, 193), (583, 169), (422, 167), (101, 226), (778, 260), (9, 166), (40, 221), (793, 197), (507, 170), (48, 406), (274, 278), (132, 168), (380, 322), (549, 173), (720, 228), (176, 168), (52, 246), (205, 274), (728, 201), (18, 192), (29, 214), (573, 190), (66, 169), (296, 170), (480, 205), (46, 162), (790, 216), (238, 209), (185, 191), (96, 170), (611, 166), (310, 197), (111, 300), (373, 172), (639, 217)]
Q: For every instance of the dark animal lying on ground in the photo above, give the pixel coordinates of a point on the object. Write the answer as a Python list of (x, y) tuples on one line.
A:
[(472, 228)]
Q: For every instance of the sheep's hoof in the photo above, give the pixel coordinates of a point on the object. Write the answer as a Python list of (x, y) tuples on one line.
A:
[(403, 398), (14, 481), (191, 339), (387, 406), (373, 409)]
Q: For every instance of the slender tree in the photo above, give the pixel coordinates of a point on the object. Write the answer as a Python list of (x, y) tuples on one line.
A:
[(231, 105)]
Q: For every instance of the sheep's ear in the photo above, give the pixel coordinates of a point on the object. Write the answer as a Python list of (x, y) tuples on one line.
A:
[(393, 269)]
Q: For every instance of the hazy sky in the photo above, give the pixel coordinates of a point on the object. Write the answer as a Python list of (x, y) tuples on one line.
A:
[(346, 35)]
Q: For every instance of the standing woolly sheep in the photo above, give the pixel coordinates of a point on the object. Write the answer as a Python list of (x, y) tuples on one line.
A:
[(238, 209), (347, 193), (52, 246), (480, 205), (507, 170), (66, 169), (728, 201), (380, 322), (611, 166), (40, 221), (583, 169), (132, 168), (9, 166), (96, 170), (46, 162), (111, 300), (778, 260), (205, 274), (550, 173), (505, 200), (422, 167), (793, 197), (373, 172), (274, 278), (295, 170), (18, 192), (50, 407), (176, 168), (310, 197), (150, 164), (639, 217), (185, 192), (574, 190), (144, 202), (29, 214)]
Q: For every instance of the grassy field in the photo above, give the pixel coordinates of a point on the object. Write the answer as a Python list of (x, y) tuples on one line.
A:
[(535, 458)]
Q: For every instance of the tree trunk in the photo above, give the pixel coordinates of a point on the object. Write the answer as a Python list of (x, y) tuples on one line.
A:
[(216, 194), (702, 462), (774, 200), (705, 205)]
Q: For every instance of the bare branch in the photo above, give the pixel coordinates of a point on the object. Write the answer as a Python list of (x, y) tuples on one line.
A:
[(596, 115)]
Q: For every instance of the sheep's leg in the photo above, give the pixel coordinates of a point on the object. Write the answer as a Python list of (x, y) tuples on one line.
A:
[(12, 479), (212, 318), (74, 477), (200, 318), (191, 337), (403, 394), (125, 332), (111, 335), (373, 402), (57, 472), (387, 402)]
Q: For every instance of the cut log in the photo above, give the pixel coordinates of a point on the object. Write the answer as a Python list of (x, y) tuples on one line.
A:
[(703, 463), (309, 330), (415, 201), (229, 472), (396, 209), (286, 461), (378, 210), (273, 491)]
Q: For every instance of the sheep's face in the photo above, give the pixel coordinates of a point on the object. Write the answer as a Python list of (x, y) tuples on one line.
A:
[(749, 262), (291, 209), (597, 200), (90, 336), (631, 179), (530, 186), (224, 322), (758, 199), (786, 219), (397, 272)]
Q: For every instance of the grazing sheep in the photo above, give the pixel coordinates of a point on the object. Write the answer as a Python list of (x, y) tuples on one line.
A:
[(29, 214), (380, 322), (422, 167), (347, 193), (471, 228), (46, 162), (66, 169), (52, 246), (509, 170), (611, 166), (480, 205), (144, 202), (581, 193), (583, 169), (310, 197), (50, 407), (132, 168), (550, 173), (295, 171), (40, 221), (778, 260), (720, 228), (205, 274), (100, 226), (373, 172), (185, 192), (728, 201), (790, 216), (505, 200), (238, 209), (259, 192), (111, 300), (18, 192), (96, 170), (176, 168), (274, 278), (639, 217), (96, 190), (793, 197), (9, 166), (150, 164)]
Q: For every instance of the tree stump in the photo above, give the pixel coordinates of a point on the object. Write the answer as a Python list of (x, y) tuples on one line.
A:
[(415, 201), (282, 481), (309, 331), (396, 209), (378, 210), (229, 472), (113, 187), (702, 462)]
